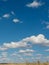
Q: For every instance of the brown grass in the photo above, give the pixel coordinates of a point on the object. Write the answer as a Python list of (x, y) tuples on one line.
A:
[(38, 63)]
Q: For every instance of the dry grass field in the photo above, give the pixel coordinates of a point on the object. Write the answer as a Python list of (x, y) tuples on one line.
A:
[(38, 63)]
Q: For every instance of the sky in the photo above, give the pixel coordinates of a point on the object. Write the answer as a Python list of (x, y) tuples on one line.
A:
[(24, 31)]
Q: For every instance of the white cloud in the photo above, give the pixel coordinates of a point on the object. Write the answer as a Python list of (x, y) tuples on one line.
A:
[(15, 44), (9, 15), (3, 48), (21, 58), (0, 18), (6, 15), (47, 57), (28, 54), (38, 58), (16, 20), (33, 58), (47, 27), (4, 54), (46, 24), (34, 4), (47, 50), (39, 55), (14, 54), (27, 50), (12, 12), (39, 39)]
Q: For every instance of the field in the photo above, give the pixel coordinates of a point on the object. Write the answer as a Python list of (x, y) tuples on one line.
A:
[(38, 63)]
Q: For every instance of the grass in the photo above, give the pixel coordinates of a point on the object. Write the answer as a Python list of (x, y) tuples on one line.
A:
[(37, 63)]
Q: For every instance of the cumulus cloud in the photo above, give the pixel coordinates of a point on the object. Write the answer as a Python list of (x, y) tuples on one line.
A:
[(3, 48), (47, 50), (39, 39), (21, 58), (25, 51), (46, 23), (47, 57), (38, 58), (14, 54), (28, 54), (0, 18), (9, 15), (6, 15), (16, 20), (12, 12), (47, 27), (15, 44), (39, 55), (4, 54), (34, 4)]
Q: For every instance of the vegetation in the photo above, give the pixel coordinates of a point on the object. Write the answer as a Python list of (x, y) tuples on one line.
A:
[(37, 63)]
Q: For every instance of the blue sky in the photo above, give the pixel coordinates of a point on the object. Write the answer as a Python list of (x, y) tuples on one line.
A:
[(24, 30)]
